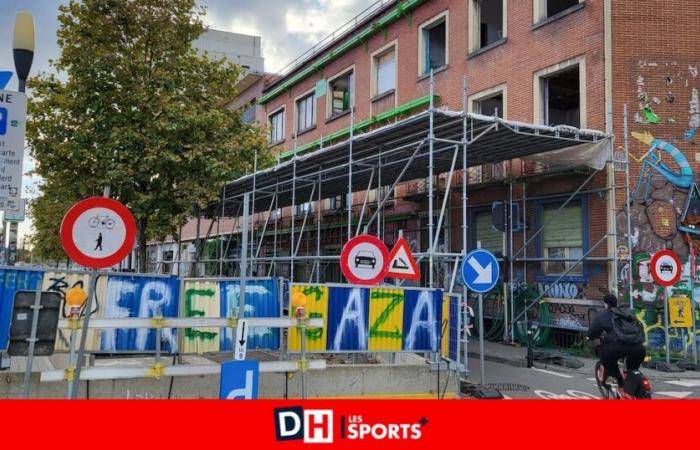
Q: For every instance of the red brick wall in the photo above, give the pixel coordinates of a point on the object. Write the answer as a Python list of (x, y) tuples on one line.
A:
[(525, 52)]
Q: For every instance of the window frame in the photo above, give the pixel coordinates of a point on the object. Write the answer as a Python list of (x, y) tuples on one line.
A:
[(491, 92), (541, 274), (329, 97), (474, 35), (547, 72), (281, 110), (297, 100), (374, 56), (539, 12), (472, 238), (422, 51)]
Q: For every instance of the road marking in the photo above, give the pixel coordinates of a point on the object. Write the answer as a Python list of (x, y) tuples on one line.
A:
[(553, 373), (591, 379), (673, 394), (684, 383)]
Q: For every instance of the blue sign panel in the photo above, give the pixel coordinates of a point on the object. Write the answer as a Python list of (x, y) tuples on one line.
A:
[(239, 380), (480, 271), (261, 300)]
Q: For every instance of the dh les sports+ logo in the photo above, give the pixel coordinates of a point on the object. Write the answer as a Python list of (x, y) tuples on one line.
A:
[(316, 426)]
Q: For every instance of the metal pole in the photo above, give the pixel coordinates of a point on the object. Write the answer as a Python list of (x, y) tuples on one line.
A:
[(92, 284), (431, 143), (482, 370), (510, 256), (380, 193), (465, 180), (692, 304), (252, 212), (36, 308), (318, 231), (71, 358), (244, 267), (627, 208), (294, 210), (668, 339), (352, 135)]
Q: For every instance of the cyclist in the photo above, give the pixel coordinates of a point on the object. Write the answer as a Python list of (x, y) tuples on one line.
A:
[(619, 334)]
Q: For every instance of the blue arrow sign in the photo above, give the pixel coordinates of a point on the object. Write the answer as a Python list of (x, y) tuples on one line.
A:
[(5, 77), (480, 271)]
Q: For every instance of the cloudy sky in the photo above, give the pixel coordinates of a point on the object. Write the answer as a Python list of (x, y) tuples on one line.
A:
[(287, 27)]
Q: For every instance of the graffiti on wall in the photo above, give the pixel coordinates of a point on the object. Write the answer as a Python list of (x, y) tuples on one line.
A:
[(370, 319), (221, 298)]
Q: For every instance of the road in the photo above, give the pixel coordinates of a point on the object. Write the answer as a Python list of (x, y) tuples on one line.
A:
[(553, 383)]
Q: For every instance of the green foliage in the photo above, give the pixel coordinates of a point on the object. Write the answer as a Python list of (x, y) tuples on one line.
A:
[(135, 108)]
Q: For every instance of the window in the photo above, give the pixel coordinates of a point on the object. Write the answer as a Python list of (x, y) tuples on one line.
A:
[(306, 112), (304, 208), (168, 256), (341, 91), (560, 97), (562, 238), (488, 23), (491, 239), (557, 6), (433, 44), (561, 101), (544, 9), (384, 71), (249, 113), (489, 106), (276, 126), (338, 202)]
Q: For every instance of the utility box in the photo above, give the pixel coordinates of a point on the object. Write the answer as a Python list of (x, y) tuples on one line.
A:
[(22, 318)]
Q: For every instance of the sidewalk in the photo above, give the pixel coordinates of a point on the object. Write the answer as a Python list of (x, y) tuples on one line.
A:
[(515, 355)]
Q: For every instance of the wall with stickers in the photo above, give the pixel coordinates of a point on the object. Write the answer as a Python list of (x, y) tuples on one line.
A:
[(377, 319)]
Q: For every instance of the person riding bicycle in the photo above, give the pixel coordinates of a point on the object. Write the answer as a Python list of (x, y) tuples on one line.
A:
[(621, 335)]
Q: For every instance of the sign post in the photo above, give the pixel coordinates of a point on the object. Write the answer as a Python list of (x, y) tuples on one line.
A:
[(97, 232), (480, 273), (665, 269)]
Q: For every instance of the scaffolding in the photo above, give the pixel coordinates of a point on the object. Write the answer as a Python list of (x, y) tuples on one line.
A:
[(426, 145)]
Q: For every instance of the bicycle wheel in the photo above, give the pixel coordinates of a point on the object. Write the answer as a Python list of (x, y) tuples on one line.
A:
[(603, 387)]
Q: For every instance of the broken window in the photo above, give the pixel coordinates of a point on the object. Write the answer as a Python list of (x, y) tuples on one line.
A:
[(561, 98), (341, 94), (434, 46), (489, 106), (385, 72), (277, 126), (306, 114), (557, 6), (487, 22), (562, 238)]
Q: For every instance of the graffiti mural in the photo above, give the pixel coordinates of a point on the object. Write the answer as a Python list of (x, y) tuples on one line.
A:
[(220, 298), (372, 319)]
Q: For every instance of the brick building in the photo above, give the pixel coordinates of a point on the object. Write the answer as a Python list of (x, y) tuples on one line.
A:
[(573, 63)]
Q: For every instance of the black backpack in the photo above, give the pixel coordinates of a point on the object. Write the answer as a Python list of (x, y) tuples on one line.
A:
[(626, 328)]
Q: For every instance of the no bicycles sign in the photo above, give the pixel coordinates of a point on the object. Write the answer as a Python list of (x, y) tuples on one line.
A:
[(98, 232)]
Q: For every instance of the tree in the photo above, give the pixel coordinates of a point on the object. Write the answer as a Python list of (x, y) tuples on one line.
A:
[(139, 111)]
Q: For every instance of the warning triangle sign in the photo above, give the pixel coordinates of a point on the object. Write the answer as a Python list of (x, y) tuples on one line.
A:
[(402, 264)]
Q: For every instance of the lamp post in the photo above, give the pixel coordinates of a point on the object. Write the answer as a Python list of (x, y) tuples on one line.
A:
[(23, 53)]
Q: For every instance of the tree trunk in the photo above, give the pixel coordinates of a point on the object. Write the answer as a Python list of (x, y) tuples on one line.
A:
[(142, 243)]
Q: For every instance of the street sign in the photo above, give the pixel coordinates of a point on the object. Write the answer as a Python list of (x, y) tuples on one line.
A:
[(13, 118), (364, 260), (665, 268), (680, 312), (98, 232), (480, 271), (17, 212), (241, 340), (402, 264), (239, 380)]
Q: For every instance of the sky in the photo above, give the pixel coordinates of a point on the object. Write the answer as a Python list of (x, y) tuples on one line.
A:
[(287, 27)]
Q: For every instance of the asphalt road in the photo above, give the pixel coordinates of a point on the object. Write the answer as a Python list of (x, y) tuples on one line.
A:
[(552, 384)]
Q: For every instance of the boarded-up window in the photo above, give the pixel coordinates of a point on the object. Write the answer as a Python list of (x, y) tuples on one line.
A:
[(562, 238), (491, 239)]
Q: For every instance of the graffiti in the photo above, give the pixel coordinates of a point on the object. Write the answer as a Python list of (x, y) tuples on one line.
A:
[(221, 298), (652, 163), (376, 319), (565, 290)]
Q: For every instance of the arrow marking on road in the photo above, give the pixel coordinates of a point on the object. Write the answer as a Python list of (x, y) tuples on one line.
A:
[(483, 273)]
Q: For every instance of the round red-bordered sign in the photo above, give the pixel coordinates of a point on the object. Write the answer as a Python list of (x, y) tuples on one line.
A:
[(98, 232), (364, 260), (665, 268)]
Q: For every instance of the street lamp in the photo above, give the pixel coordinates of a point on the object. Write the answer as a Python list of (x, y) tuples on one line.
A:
[(23, 46)]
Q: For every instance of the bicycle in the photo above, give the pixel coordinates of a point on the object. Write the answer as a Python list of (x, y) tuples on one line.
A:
[(636, 385)]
